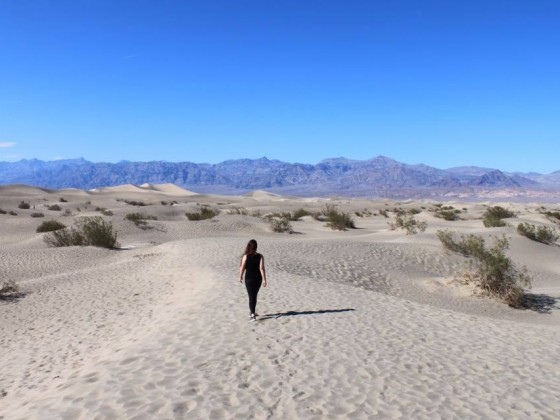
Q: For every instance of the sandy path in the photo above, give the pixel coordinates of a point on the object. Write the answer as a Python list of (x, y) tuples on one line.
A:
[(321, 349)]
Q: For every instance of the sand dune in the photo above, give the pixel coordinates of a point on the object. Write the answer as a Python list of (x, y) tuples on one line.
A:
[(365, 323)]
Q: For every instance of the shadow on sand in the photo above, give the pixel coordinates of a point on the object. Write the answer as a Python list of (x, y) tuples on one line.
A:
[(295, 313), (543, 304)]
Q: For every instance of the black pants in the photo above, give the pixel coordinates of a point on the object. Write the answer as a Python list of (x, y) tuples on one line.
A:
[(253, 286)]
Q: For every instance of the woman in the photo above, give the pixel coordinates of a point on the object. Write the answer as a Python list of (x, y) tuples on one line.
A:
[(252, 265)]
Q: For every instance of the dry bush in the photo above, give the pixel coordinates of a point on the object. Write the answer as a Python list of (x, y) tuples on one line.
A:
[(37, 214), (54, 207), (491, 270), (63, 200), (8, 288), (408, 223), (241, 211), (543, 234), (139, 219), (94, 231), (203, 214), (135, 203), (553, 216), (280, 225), (336, 219), (24, 206), (493, 216), (3, 211), (49, 226)]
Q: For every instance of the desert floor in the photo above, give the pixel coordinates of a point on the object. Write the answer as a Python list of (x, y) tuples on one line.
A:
[(365, 323)]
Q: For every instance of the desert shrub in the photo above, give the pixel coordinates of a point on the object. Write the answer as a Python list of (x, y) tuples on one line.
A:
[(49, 226), (280, 225), (449, 215), (12, 213), (408, 223), (37, 214), (67, 212), (106, 212), (139, 219), (336, 219), (3, 211), (94, 231), (299, 213), (493, 216), (203, 214), (384, 213), (8, 288), (543, 234), (54, 207), (256, 213), (491, 270), (63, 200), (24, 206), (242, 211), (135, 203), (553, 216), (101, 209), (364, 213), (414, 211)]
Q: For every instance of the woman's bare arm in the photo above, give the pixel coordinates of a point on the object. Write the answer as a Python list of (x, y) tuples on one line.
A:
[(242, 268), (263, 271)]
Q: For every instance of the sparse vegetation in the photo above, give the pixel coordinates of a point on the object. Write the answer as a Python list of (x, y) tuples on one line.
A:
[(543, 234), (241, 211), (94, 231), (8, 288), (336, 219), (67, 212), (54, 207), (299, 213), (280, 225), (491, 270), (24, 206), (139, 219), (384, 213), (12, 213), (135, 203), (408, 223), (493, 216), (553, 216), (49, 226), (106, 212), (203, 214), (3, 211), (37, 214), (63, 200)]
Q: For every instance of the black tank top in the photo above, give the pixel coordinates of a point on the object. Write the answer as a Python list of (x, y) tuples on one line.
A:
[(252, 267)]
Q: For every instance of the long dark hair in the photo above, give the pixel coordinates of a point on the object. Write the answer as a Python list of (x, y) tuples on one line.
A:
[(251, 247)]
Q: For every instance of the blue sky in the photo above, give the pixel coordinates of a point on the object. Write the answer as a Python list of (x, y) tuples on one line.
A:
[(445, 83)]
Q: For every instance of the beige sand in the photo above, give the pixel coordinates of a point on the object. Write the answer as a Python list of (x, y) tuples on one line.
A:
[(359, 324)]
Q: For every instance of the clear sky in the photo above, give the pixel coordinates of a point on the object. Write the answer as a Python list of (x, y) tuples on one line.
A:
[(445, 83)]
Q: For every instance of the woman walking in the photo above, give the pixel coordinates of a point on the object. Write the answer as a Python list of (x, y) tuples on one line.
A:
[(252, 265)]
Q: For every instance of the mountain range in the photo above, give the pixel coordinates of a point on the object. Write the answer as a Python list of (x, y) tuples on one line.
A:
[(377, 177)]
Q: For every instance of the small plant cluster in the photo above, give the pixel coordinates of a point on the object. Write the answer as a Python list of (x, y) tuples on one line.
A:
[(280, 225), (384, 213), (240, 211), (94, 231), (24, 206), (408, 223), (168, 203), (336, 219), (63, 200), (3, 211), (553, 216), (54, 207), (493, 216), (203, 214), (49, 226), (135, 203), (290, 216), (37, 214), (543, 234), (364, 213), (139, 219), (8, 288), (448, 213), (491, 270)]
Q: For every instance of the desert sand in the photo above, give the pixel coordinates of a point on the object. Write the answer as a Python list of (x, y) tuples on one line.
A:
[(366, 323)]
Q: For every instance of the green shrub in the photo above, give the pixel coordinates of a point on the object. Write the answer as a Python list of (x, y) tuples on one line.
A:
[(54, 207), (299, 213), (8, 288), (493, 216), (414, 211), (24, 206), (384, 213), (337, 220), (554, 216), (203, 214), (37, 215), (49, 226), (139, 219), (491, 270), (94, 231), (543, 234), (135, 203), (280, 225), (408, 223), (449, 215)]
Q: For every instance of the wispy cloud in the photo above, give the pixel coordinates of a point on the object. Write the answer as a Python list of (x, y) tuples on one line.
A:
[(7, 144), (12, 156), (128, 57)]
